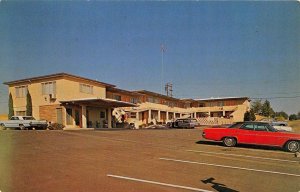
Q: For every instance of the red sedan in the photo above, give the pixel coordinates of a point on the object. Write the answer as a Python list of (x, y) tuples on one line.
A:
[(257, 133)]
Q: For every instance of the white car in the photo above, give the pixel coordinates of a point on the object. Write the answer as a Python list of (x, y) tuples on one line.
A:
[(281, 126), (23, 122)]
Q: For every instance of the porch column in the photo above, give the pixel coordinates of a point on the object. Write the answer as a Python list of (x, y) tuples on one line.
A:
[(167, 115), (180, 115), (83, 116), (223, 113), (109, 118), (137, 116), (195, 115), (158, 116), (209, 114), (174, 115), (149, 116)]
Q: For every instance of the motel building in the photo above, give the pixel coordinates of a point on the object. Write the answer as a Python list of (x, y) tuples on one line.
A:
[(79, 102)]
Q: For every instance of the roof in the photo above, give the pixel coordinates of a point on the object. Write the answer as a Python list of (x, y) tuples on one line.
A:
[(145, 92), (99, 102), (114, 89), (222, 98), (56, 75)]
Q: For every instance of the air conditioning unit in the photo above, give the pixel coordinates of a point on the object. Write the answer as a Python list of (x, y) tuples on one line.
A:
[(52, 96)]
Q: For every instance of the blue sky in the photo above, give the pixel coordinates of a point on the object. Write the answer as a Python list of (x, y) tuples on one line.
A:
[(214, 49)]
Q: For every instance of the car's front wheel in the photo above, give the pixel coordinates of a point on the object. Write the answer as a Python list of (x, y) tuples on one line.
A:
[(229, 141), (293, 146)]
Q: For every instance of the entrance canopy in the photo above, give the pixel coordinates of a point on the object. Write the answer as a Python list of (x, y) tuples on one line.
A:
[(99, 102)]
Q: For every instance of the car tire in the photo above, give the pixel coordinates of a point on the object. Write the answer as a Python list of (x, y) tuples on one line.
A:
[(22, 127), (292, 146), (229, 141)]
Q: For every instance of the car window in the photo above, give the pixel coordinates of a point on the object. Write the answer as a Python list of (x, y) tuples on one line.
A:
[(261, 128), (14, 118), (271, 128), (194, 121), (247, 127), (28, 118), (236, 125)]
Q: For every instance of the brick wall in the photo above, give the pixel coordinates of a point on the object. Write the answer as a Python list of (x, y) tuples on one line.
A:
[(48, 112)]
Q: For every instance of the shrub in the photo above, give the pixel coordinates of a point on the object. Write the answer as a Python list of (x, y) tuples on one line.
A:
[(56, 126), (293, 117)]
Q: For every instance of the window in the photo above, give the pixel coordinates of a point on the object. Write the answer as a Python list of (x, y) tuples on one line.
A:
[(202, 105), (59, 118), (117, 97), (14, 118), (102, 114), (221, 103), (248, 127), (153, 100), (21, 91), (49, 88), (134, 100), (261, 128), (236, 125), (84, 88), (187, 105), (133, 115), (20, 113), (28, 118)]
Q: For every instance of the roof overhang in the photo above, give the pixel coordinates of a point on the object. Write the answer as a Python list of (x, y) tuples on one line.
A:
[(56, 76), (99, 102), (222, 98)]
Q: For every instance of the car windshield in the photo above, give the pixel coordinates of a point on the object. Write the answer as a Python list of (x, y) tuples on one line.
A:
[(28, 118)]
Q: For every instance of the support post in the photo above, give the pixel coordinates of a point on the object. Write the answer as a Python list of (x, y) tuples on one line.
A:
[(109, 118), (83, 116), (149, 116)]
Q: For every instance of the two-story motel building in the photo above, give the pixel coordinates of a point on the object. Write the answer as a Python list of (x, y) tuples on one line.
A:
[(81, 102)]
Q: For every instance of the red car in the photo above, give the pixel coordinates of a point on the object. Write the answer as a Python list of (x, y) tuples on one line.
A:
[(257, 133)]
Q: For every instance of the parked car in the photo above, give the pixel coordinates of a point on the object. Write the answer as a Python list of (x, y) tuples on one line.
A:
[(279, 125), (23, 122), (257, 133), (183, 123)]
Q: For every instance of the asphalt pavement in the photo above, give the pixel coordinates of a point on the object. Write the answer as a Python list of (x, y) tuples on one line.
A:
[(139, 160)]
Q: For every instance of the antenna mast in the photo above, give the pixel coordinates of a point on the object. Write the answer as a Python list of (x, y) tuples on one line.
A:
[(163, 50)]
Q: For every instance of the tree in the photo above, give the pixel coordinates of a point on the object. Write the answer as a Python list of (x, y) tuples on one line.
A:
[(299, 115), (293, 117), (256, 106), (10, 106), (267, 110), (249, 116), (29, 104), (281, 115)]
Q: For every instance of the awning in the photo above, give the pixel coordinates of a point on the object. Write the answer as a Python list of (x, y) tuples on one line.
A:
[(98, 102)]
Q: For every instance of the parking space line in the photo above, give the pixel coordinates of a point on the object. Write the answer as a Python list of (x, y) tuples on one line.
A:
[(231, 167), (248, 156), (158, 183)]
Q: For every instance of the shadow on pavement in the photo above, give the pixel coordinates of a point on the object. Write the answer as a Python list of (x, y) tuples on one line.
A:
[(240, 145), (218, 186)]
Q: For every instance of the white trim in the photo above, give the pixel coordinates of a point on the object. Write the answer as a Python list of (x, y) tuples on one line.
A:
[(254, 157), (231, 167), (158, 183)]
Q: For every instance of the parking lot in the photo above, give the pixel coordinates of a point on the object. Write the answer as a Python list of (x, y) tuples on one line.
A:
[(139, 160)]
